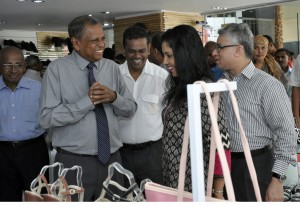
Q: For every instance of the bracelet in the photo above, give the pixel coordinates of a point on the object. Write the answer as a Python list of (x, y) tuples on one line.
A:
[(217, 191)]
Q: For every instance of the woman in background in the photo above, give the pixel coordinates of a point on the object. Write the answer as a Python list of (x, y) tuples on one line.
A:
[(266, 62), (186, 60)]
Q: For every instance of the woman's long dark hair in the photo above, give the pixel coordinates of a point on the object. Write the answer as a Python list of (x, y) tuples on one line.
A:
[(190, 62)]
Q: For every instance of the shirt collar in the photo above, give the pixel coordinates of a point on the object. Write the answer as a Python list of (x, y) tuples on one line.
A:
[(2, 84), (247, 72), (82, 62), (33, 71), (23, 83), (147, 69)]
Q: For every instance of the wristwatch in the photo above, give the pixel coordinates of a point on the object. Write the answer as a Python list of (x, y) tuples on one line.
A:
[(281, 178)]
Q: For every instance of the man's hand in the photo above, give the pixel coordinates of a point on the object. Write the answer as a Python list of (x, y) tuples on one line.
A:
[(101, 94), (275, 191)]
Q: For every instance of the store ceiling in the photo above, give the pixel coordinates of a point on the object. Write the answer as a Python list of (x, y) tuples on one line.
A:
[(54, 15)]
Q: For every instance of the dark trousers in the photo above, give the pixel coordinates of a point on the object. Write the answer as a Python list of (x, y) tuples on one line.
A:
[(242, 184), (144, 163), (93, 173), (19, 166)]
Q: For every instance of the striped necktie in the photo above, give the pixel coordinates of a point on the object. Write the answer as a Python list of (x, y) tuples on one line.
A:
[(102, 124)]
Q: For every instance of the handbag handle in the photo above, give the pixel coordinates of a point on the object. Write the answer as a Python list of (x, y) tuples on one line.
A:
[(41, 180), (245, 144), (220, 148), (64, 190), (120, 169), (183, 158), (123, 171), (213, 147), (216, 142)]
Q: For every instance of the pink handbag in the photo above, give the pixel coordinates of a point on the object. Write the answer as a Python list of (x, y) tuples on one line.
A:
[(159, 193)]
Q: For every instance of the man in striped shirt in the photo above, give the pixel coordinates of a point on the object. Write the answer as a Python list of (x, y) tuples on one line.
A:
[(266, 116)]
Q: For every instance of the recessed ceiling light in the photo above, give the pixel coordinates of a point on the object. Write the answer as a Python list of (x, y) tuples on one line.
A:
[(22, 0), (39, 24), (106, 12), (90, 15), (38, 1), (106, 24), (219, 8)]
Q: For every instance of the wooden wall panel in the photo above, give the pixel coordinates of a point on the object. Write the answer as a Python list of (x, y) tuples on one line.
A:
[(172, 19), (152, 21), (160, 21)]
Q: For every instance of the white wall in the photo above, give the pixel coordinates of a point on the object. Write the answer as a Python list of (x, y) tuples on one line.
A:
[(109, 37), (27, 36), (289, 16), (18, 36)]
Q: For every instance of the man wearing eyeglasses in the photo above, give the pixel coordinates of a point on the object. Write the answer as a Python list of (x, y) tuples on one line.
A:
[(23, 150), (266, 116)]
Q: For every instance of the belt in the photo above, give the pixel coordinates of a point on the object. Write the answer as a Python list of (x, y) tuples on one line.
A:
[(254, 153), (139, 146), (23, 143), (62, 151)]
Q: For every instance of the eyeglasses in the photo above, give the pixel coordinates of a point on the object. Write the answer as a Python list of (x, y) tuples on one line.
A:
[(9, 66), (220, 47)]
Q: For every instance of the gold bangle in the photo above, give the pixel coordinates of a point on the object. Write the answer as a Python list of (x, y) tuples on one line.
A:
[(217, 191)]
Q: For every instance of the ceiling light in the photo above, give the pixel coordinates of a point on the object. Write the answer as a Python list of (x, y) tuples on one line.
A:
[(219, 8), (38, 1), (106, 12), (39, 24), (22, 0), (2, 22), (90, 15), (106, 24)]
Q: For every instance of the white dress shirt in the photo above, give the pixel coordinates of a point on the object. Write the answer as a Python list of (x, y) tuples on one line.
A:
[(148, 90), (295, 76)]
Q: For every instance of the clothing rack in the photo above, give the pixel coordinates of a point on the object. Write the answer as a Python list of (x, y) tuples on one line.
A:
[(196, 148)]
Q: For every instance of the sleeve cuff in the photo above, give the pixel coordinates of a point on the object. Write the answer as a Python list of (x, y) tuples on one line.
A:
[(280, 167), (86, 103)]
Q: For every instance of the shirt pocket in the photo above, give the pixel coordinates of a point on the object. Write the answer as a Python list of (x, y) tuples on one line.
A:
[(30, 114), (150, 103)]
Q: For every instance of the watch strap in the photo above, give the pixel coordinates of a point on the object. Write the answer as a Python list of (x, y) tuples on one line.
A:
[(279, 177)]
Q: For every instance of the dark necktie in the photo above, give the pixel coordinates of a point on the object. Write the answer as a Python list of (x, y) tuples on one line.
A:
[(102, 124)]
